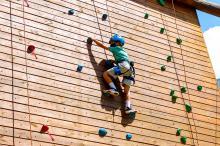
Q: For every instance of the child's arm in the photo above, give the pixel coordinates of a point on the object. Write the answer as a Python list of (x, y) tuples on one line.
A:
[(100, 44)]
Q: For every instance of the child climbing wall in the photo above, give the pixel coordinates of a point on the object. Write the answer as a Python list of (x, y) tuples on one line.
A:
[(49, 91), (123, 68)]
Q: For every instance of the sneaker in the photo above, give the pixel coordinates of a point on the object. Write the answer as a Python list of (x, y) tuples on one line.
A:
[(112, 92), (130, 111)]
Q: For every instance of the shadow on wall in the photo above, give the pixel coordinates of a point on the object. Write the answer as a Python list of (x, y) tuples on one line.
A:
[(108, 103), (184, 13)]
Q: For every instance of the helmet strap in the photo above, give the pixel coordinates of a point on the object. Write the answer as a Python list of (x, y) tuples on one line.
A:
[(113, 45)]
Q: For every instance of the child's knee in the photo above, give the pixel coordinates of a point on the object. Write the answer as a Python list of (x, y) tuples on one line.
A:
[(105, 74)]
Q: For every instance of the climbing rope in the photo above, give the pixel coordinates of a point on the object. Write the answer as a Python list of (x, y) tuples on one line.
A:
[(12, 68), (184, 75), (177, 76), (106, 3), (99, 28), (29, 114)]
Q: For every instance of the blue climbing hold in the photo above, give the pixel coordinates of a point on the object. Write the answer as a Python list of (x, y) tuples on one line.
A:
[(79, 68), (128, 136), (71, 12), (102, 132)]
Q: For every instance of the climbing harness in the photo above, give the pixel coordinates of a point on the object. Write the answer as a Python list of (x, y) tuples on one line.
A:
[(117, 71)]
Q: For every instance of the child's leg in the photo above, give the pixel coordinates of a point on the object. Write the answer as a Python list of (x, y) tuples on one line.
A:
[(127, 85), (107, 76), (127, 96)]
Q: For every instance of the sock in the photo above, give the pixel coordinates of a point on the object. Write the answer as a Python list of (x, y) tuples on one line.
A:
[(128, 103), (112, 85)]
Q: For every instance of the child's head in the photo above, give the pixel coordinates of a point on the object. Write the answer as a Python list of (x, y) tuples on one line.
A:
[(116, 40)]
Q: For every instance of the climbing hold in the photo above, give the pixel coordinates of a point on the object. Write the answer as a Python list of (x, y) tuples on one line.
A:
[(162, 30), (161, 2), (102, 132), (199, 88), (174, 98), (163, 68), (172, 92), (128, 136), (89, 41), (183, 139), (183, 90), (179, 41), (79, 68), (178, 132), (45, 129), (71, 12), (169, 58), (188, 107), (106, 94), (31, 49), (104, 17), (146, 16), (132, 115)]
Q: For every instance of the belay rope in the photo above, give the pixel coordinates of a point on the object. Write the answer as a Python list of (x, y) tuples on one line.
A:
[(99, 28), (130, 62), (184, 74), (185, 78), (25, 44)]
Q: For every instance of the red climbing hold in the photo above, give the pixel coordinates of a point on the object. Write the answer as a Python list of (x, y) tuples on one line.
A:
[(30, 50), (45, 129)]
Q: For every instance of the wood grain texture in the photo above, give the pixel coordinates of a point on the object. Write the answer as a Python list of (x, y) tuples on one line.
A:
[(48, 90)]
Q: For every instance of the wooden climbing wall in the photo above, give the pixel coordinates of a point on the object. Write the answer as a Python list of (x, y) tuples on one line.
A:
[(48, 90)]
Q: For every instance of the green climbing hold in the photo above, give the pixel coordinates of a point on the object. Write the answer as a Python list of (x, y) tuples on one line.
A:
[(169, 58), (183, 90), (163, 68), (172, 92), (161, 2), (188, 107), (178, 132), (179, 41), (199, 88), (71, 12), (183, 139), (146, 16), (174, 98), (162, 30)]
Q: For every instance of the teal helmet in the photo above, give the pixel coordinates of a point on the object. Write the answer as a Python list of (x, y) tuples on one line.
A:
[(117, 38)]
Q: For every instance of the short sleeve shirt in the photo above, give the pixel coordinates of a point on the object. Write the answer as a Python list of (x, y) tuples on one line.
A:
[(119, 53)]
